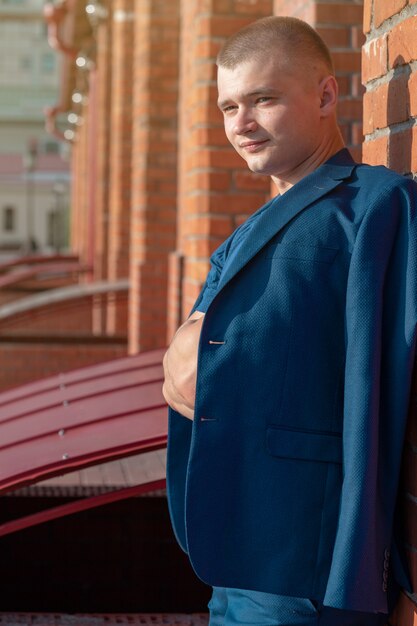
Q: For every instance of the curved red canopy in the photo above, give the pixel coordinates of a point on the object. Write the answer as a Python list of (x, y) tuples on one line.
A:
[(81, 418)]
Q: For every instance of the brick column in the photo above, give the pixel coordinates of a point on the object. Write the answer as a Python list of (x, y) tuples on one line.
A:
[(340, 25), (104, 90), (390, 114), (120, 167), (216, 191), (89, 201), (79, 192), (154, 160), (75, 198)]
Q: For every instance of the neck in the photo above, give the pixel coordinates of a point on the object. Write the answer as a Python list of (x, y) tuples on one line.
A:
[(321, 154)]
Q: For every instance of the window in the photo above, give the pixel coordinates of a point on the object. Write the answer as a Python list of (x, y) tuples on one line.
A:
[(9, 219), (47, 62), (51, 147), (52, 227)]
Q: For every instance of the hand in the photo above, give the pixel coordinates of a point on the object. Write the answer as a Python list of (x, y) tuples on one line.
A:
[(180, 366)]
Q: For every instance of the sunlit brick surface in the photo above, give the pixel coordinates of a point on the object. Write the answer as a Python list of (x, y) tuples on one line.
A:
[(390, 108)]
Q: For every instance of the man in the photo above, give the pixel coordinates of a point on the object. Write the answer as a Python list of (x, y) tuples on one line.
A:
[(289, 383)]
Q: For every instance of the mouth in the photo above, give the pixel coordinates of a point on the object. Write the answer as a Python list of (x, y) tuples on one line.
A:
[(253, 146)]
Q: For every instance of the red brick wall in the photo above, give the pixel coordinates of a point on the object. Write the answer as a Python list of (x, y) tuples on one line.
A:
[(33, 360), (154, 183), (340, 25), (390, 103), (216, 191), (67, 318), (390, 109)]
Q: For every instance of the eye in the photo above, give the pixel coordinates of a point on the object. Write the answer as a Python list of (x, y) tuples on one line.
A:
[(263, 99), (229, 108)]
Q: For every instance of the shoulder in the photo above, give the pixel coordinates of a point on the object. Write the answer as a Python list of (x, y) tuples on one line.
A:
[(377, 188), (386, 206), (380, 179)]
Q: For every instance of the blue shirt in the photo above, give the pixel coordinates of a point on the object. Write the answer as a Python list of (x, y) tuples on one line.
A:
[(226, 252)]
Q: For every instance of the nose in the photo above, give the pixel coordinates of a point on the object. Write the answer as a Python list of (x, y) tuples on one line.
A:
[(244, 122)]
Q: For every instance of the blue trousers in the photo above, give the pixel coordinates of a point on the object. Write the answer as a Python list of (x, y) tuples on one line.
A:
[(239, 607)]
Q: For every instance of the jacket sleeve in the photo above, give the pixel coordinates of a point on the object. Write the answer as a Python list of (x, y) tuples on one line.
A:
[(381, 319)]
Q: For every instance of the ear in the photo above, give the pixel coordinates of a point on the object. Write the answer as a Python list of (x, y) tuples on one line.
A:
[(329, 92)]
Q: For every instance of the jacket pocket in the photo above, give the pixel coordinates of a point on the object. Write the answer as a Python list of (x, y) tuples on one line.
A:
[(304, 445), (301, 252)]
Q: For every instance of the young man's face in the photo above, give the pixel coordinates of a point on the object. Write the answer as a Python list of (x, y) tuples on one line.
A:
[(271, 117)]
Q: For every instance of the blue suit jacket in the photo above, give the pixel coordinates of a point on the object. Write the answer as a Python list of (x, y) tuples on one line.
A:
[(286, 480)]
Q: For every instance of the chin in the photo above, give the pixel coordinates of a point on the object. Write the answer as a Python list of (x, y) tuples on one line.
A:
[(260, 169), (257, 168)]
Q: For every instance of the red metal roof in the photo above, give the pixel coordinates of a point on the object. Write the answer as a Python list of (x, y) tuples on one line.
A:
[(81, 418)]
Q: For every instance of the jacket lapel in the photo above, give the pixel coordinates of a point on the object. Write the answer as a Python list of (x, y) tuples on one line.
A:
[(284, 208)]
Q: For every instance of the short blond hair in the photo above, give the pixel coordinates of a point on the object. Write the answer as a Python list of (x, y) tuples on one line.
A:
[(295, 38)]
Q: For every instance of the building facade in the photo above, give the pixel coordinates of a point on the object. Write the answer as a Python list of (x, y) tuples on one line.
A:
[(34, 176)]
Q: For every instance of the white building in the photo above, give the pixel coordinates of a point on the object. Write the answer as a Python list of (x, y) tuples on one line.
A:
[(34, 174)]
